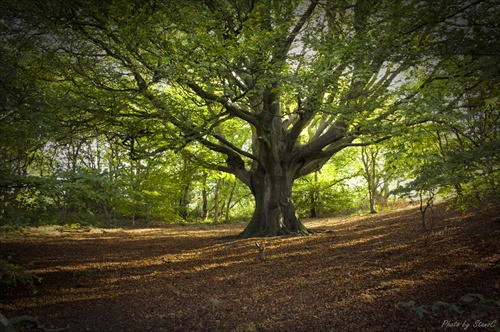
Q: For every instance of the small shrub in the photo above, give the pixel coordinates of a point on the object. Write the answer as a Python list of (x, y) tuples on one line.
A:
[(214, 301), (14, 274), (420, 310), (470, 306)]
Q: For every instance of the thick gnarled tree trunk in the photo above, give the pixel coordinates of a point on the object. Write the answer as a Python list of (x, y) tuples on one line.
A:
[(274, 212)]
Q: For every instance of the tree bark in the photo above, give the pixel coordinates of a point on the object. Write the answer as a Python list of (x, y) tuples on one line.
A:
[(274, 213), (230, 200), (216, 201), (204, 196), (369, 160), (184, 202)]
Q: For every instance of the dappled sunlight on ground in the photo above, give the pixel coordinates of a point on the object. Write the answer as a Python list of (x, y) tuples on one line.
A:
[(347, 276)]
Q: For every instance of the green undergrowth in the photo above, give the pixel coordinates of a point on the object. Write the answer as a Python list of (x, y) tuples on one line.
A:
[(471, 310)]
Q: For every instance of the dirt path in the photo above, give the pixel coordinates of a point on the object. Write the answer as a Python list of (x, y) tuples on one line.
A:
[(347, 277)]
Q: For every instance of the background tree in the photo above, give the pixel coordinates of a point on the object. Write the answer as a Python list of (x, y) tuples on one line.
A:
[(25, 125), (460, 151), (334, 189), (370, 160), (303, 79)]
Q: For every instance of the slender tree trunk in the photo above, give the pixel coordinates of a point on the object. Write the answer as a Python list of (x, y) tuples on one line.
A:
[(231, 195), (312, 197), (372, 200), (369, 160), (319, 203), (204, 195), (186, 178), (183, 204), (134, 212), (216, 201), (315, 195)]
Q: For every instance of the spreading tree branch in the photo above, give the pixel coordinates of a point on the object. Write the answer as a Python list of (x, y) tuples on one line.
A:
[(234, 147), (237, 112)]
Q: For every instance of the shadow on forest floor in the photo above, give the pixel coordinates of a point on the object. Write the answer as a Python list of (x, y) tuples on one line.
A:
[(347, 277)]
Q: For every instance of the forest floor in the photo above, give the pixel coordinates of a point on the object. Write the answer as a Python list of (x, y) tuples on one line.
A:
[(349, 276)]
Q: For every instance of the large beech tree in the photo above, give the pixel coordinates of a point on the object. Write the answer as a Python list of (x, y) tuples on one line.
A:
[(299, 79)]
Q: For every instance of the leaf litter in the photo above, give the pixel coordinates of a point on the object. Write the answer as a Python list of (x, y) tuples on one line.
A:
[(348, 276)]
